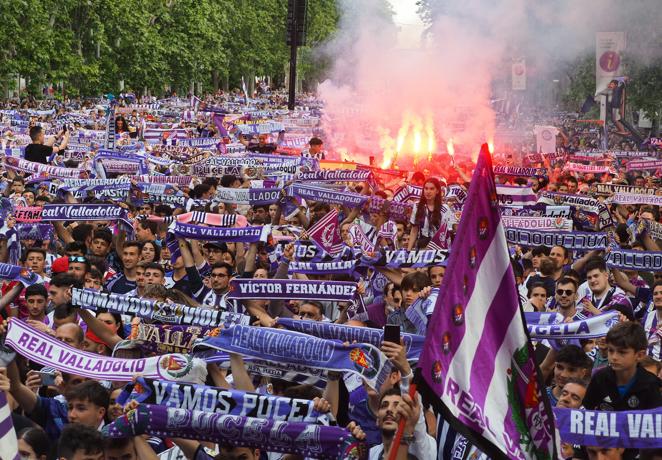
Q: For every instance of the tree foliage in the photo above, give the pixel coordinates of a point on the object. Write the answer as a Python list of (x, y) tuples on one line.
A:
[(89, 46)]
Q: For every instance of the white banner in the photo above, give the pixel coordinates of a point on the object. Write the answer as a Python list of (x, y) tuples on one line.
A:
[(519, 74), (545, 138), (608, 62)]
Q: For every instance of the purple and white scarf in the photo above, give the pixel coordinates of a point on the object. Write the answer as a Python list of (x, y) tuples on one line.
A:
[(304, 439), (8, 441), (34, 231), (643, 165), (335, 175), (588, 169), (552, 326), (221, 400), (284, 346), (413, 343), (276, 289), (250, 196), (627, 429), (155, 310), (324, 195), (570, 240), (336, 267), (512, 195), (48, 351), (537, 223), (235, 234), (401, 258), (610, 189), (519, 171), (18, 164), (630, 198), (625, 259)]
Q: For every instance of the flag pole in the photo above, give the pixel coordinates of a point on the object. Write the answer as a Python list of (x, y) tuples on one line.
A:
[(395, 445)]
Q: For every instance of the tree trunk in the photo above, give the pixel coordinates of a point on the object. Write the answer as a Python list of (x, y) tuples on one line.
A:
[(215, 79)]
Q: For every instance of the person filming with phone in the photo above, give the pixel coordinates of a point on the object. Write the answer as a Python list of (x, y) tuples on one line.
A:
[(41, 149)]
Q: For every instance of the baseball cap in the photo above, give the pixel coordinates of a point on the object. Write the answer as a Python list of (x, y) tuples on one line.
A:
[(60, 265)]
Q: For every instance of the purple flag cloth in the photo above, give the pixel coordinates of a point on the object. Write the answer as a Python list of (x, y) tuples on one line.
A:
[(477, 358), (314, 441), (628, 429), (245, 288), (8, 441)]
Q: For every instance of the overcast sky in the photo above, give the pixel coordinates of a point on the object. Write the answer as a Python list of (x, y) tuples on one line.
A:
[(408, 21)]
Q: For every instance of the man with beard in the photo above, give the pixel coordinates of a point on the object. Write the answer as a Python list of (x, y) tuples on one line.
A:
[(392, 407)]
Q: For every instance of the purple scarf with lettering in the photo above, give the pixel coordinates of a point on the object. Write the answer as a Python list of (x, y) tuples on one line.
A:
[(339, 291), (307, 440)]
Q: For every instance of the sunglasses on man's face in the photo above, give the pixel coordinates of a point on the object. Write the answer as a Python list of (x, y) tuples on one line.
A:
[(566, 292), (79, 259)]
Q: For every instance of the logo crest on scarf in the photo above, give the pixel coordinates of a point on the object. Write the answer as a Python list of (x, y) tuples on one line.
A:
[(175, 366), (359, 358)]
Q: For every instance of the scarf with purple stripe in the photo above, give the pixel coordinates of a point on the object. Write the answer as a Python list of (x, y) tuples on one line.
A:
[(168, 338), (545, 325), (336, 267), (8, 441), (625, 259), (276, 289), (518, 171), (588, 241), (537, 223), (588, 169), (630, 198), (413, 343), (250, 196), (395, 210), (540, 157), (48, 351), (155, 310), (304, 439), (234, 234), (182, 181), (401, 258), (18, 164), (626, 429), (511, 195), (642, 165), (63, 212), (324, 195), (335, 175), (408, 193), (584, 203), (610, 189), (538, 210), (36, 232), (221, 400), (284, 346)]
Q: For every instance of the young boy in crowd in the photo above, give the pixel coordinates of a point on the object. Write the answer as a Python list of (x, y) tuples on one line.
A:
[(624, 385), (571, 363)]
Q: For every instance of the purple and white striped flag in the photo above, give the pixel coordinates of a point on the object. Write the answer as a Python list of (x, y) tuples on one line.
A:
[(477, 358), (8, 442)]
